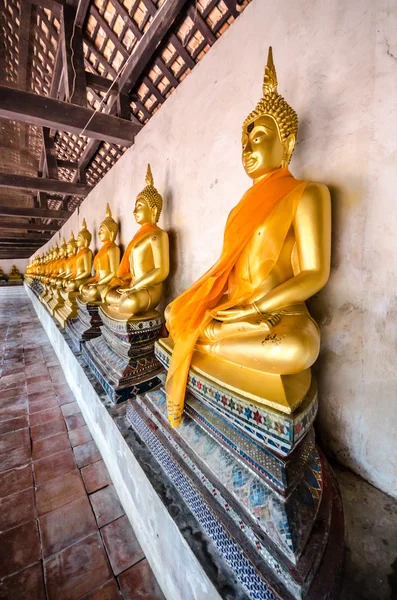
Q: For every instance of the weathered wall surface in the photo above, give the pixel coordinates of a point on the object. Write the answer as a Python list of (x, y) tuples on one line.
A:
[(337, 66), (20, 263)]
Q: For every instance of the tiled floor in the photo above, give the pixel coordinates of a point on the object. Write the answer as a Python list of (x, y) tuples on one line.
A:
[(63, 531)]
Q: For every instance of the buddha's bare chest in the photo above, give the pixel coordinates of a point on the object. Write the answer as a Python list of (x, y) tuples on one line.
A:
[(141, 257)]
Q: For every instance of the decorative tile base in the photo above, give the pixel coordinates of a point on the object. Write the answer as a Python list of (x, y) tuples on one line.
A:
[(68, 310), (277, 431), (87, 324), (122, 357), (258, 565)]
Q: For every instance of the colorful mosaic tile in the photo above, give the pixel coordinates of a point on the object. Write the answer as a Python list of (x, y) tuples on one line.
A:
[(278, 431), (286, 521)]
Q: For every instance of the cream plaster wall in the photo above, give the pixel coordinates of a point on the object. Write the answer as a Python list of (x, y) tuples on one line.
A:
[(20, 263), (337, 66)]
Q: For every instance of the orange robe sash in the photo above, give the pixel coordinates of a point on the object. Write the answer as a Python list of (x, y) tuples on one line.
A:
[(191, 312), (101, 261)]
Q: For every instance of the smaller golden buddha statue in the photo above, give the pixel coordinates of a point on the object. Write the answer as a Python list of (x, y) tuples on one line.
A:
[(106, 261), (82, 261), (57, 272), (145, 263), (14, 274), (68, 270), (78, 275), (2, 275)]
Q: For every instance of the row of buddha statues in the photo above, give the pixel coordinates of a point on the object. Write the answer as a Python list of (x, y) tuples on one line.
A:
[(249, 309), (238, 394), (13, 276)]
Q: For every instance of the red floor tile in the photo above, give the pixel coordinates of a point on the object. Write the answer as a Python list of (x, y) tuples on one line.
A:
[(75, 421), (50, 445), (53, 466), (14, 439), (109, 591), (121, 545), (43, 395), (39, 378), (66, 525), (106, 505), (41, 387), (40, 405), (16, 457), (25, 585), (39, 418), (7, 403), (15, 480), (77, 570), (17, 509), (59, 491), (79, 436), (19, 547), (47, 429), (95, 476), (72, 408), (139, 582), (13, 392), (12, 412), (86, 454), (14, 424)]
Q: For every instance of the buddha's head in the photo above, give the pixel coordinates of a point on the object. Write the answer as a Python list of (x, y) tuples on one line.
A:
[(84, 236), (71, 245), (148, 203), (63, 250), (109, 228), (269, 132)]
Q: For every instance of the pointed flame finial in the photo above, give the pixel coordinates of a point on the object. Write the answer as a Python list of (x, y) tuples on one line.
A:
[(149, 176), (84, 224), (270, 78), (108, 211)]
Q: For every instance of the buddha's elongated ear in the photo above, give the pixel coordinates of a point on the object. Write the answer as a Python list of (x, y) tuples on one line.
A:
[(289, 145)]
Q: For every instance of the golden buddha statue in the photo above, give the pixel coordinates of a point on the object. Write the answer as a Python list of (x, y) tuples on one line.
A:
[(57, 299), (57, 272), (245, 323), (106, 261), (14, 274), (82, 261), (2, 274), (80, 271), (145, 265)]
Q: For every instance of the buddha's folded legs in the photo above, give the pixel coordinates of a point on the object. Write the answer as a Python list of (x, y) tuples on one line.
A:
[(289, 346), (133, 303)]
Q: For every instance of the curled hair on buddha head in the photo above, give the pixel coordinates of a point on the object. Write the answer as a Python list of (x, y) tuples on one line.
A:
[(110, 224), (273, 104), (151, 195), (84, 233)]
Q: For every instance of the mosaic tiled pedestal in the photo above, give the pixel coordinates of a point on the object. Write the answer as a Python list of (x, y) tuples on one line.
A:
[(122, 357), (256, 483), (35, 285), (87, 324)]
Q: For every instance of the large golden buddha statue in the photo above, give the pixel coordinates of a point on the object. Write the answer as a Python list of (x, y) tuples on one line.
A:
[(106, 261), (145, 264), (246, 318), (14, 274)]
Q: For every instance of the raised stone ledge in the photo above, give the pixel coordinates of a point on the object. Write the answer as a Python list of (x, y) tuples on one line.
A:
[(184, 561)]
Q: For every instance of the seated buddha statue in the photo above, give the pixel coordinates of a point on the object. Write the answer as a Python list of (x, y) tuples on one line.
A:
[(2, 275), (145, 264), (106, 261), (247, 314), (82, 262), (15, 274)]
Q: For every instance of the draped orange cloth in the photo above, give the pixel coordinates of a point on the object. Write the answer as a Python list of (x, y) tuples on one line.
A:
[(145, 230), (101, 261), (191, 312)]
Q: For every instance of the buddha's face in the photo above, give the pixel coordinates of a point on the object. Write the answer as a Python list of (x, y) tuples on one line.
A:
[(104, 234), (142, 212), (263, 150), (81, 242)]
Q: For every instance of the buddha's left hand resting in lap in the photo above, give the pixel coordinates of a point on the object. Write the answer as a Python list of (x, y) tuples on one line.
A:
[(145, 264), (250, 309)]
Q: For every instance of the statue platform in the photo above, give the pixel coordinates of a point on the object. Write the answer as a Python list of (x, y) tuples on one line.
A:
[(253, 478), (67, 310), (87, 324), (122, 357)]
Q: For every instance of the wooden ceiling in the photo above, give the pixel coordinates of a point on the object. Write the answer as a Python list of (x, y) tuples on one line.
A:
[(78, 80)]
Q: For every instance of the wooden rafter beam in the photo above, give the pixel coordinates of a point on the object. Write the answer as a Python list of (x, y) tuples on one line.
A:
[(97, 82), (29, 226), (47, 112), (73, 57), (55, 6), (34, 213), (40, 238), (50, 186)]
